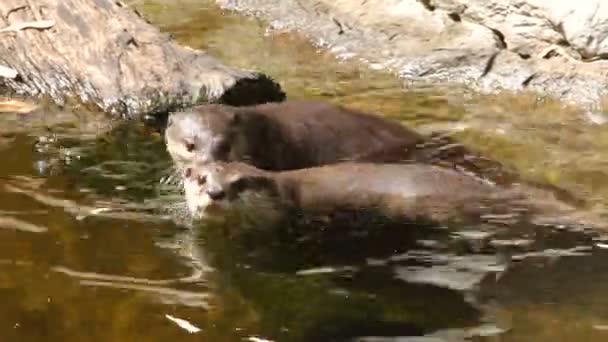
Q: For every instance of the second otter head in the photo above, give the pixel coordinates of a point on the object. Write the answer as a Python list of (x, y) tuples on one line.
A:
[(206, 133), (220, 188)]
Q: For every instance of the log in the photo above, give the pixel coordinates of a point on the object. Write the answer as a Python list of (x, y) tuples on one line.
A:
[(104, 53)]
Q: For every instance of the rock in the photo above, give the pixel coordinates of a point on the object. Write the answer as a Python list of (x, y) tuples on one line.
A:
[(554, 48), (529, 26), (103, 53), (585, 26)]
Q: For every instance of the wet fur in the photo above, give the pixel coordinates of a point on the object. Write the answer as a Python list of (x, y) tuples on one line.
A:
[(300, 134), (412, 192), (250, 197), (288, 135)]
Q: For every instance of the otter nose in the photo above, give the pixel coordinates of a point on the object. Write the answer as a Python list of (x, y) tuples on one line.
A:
[(216, 194)]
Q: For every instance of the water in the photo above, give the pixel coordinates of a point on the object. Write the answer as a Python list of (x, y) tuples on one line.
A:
[(91, 249)]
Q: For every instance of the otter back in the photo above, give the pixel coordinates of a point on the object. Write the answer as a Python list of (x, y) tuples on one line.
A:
[(394, 189)]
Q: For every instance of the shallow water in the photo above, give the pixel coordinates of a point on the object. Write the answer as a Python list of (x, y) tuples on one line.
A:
[(90, 251)]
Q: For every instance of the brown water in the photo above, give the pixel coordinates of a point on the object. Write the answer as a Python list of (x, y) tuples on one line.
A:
[(90, 253)]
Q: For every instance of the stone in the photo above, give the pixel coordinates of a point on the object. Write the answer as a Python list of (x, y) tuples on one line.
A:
[(104, 54), (554, 48)]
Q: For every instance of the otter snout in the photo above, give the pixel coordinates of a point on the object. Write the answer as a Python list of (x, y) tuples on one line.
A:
[(203, 190)]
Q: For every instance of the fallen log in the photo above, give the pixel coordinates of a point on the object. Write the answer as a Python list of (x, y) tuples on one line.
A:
[(104, 53)]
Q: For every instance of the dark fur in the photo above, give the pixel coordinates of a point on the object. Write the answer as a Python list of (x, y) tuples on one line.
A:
[(294, 134)]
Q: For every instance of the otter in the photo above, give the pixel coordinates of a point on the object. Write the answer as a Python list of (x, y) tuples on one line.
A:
[(286, 136), (417, 192), (300, 134), (414, 192)]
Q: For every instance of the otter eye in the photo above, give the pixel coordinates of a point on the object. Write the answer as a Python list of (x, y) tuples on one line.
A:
[(188, 172), (190, 146), (202, 180)]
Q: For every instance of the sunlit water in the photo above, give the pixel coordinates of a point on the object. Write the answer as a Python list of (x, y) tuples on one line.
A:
[(92, 251)]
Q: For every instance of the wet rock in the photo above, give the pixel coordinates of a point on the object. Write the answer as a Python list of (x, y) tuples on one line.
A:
[(554, 48)]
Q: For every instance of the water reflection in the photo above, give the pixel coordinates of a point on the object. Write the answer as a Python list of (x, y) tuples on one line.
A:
[(124, 274)]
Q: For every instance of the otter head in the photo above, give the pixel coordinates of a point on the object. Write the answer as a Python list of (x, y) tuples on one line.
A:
[(218, 189), (206, 133)]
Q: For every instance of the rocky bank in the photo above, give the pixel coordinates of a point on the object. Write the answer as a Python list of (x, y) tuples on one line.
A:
[(556, 48)]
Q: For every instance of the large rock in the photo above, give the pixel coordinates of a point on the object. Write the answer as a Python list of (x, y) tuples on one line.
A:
[(552, 47), (532, 25), (101, 52)]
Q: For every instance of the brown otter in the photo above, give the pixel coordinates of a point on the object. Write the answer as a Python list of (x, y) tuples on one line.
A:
[(299, 134), (285, 136), (409, 191)]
